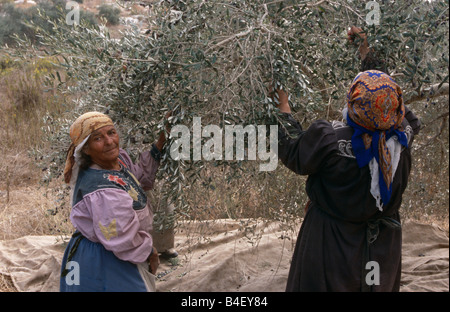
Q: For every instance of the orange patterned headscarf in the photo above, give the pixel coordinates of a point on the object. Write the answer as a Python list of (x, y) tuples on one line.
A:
[(79, 131), (376, 112)]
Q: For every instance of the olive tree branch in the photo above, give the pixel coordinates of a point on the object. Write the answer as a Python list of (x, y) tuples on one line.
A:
[(433, 91)]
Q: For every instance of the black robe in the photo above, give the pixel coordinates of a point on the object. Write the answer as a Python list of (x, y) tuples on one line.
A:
[(332, 249)]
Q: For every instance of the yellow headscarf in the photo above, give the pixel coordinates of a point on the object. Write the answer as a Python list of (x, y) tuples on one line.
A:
[(79, 131)]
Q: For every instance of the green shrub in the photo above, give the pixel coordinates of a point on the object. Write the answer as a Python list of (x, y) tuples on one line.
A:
[(11, 23), (14, 20), (110, 13)]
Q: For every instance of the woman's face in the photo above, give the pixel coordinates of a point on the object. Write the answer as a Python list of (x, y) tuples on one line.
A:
[(103, 147)]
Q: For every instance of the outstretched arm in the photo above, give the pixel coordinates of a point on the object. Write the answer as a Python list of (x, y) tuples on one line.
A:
[(369, 58), (302, 151)]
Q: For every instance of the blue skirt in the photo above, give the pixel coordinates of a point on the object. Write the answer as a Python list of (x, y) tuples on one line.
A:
[(92, 268)]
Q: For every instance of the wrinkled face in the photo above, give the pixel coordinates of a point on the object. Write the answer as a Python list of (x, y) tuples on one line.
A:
[(103, 146)]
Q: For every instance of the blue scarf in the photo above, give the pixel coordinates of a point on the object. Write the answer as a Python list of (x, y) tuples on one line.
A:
[(364, 156)]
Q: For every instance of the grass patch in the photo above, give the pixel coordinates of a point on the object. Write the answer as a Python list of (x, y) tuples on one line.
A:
[(25, 204)]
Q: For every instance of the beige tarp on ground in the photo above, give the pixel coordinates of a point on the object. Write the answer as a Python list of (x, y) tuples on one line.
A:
[(224, 256)]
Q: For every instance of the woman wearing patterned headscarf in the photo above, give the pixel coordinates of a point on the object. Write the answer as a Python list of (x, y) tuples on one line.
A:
[(358, 169), (112, 249)]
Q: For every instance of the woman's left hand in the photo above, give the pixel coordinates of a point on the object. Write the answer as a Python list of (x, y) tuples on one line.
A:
[(356, 32), (153, 261)]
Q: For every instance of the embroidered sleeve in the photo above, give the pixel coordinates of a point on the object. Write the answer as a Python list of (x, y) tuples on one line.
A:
[(411, 125), (156, 154), (413, 121), (144, 170), (305, 151), (107, 216)]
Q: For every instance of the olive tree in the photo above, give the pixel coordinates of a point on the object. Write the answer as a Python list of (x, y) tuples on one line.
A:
[(216, 59)]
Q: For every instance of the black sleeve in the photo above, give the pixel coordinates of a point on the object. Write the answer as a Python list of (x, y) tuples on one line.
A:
[(413, 121), (373, 62), (411, 126), (305, 151)]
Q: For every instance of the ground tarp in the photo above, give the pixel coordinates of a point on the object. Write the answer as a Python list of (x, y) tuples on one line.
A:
[(231, 256)]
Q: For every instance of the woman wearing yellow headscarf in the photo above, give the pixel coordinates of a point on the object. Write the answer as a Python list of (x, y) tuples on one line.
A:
[(112, 249)]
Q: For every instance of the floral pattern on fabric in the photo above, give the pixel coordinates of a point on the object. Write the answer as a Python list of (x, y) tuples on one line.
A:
[(376, 112)]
